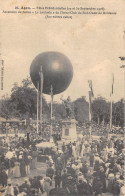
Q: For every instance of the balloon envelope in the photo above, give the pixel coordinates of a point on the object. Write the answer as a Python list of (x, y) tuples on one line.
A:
[(57, 71)]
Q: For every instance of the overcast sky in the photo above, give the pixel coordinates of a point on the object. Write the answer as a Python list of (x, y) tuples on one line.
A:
[(93, 44)]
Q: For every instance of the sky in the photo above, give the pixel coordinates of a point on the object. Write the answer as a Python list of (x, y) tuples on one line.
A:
[(93, 44)]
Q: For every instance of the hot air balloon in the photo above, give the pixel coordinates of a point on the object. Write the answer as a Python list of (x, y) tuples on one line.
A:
[(57, 72), (51, 73)]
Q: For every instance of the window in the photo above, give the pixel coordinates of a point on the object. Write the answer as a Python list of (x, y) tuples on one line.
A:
[(67, 132)]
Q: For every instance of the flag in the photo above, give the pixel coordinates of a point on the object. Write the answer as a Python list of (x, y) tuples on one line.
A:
[(90, 86)]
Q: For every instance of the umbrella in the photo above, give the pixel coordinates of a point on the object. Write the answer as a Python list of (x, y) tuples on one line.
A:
[(45, 145), (13, 120)]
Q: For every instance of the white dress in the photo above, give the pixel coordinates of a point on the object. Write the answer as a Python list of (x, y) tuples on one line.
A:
[(16, 171), (74, 151), (82, 151)]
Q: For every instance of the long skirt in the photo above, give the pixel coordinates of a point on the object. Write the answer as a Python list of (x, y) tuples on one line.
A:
[(27, 169), (16, 171), (33, 164), (23, 171)]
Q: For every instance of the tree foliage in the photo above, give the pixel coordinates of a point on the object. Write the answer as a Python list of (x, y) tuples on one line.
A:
[(81, 108), (6, 109), (59, 111), (118, 113), (101, 110), (22, 104)]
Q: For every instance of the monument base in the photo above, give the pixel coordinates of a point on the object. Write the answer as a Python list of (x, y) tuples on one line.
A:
[(69, 133)]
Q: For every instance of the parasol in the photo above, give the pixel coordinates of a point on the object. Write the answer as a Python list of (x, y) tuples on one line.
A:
[(45, 145)]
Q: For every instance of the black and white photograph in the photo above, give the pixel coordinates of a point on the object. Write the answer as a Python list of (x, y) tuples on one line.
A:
[(62, 97)]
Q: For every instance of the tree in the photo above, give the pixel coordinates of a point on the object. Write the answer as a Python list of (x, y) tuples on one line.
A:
[(5, 111), (118, 113), (22, 102), (27, 82), (101, 110), (81, 108), (59, 111)]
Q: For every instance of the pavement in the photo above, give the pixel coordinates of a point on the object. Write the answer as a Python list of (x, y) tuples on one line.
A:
[(40, 170)]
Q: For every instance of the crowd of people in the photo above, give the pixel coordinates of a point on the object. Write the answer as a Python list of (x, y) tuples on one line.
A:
[(80, 168), (100, 130)]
